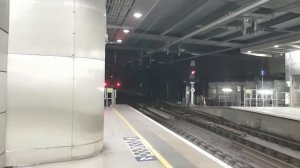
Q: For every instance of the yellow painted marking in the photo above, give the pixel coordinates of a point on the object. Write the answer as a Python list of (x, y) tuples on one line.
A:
[(162, 160)]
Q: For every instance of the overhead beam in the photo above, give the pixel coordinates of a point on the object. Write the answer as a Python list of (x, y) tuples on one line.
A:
[(247, 47), (131, 48), (202, 55), (288, 7), (189, 41), (118, 27), (285, 40), (125, 47), (219, 22), (192, 15), (278, 12), (264, 19), (183, 20)]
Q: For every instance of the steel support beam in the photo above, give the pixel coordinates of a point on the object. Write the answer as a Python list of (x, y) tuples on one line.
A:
[(221, 21), (286, 40), (245, 47), (183, 20), (288, 7), (190, 41), (118, 27), (218, 22)]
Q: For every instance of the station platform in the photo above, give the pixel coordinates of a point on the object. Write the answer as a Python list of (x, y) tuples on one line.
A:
[(282, 112), (280, 121), (132, 140)]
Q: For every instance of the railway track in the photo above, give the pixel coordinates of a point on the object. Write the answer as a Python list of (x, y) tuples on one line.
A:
[(265, 160), (238, 134), (259, 134), (292, 144), (227, 158)]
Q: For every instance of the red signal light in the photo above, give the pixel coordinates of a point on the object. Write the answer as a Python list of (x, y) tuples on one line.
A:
[(105, 84), (193, 72), (118, 84)]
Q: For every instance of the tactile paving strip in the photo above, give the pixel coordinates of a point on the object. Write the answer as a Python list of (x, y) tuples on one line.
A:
[(138, 149)]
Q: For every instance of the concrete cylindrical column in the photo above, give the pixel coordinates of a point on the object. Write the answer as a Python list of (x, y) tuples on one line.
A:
[(4, 8), (56, 64)]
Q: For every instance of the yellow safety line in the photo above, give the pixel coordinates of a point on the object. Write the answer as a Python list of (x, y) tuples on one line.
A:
[(162, 160)]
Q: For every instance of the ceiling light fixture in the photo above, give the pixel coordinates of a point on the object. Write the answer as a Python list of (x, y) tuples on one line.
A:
[(227, 90), (137, 15), (276, 46), (260, 54), (126, 31)]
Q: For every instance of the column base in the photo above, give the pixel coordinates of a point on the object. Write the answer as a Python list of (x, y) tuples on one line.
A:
[(51, 155)]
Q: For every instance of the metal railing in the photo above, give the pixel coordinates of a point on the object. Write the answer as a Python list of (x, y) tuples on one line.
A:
[(264, 98)]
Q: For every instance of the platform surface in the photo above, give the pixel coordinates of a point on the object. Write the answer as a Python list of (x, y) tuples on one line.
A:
[(127, 128), (282, 112)]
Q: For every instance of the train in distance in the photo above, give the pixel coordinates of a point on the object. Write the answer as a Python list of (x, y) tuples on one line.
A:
[(112, 82)]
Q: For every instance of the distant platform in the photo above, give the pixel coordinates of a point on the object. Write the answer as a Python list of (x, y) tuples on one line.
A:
[(132, 140), (282, 112)]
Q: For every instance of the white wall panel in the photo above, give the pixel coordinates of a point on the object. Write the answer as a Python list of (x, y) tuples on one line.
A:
[(2, 132), (4, 12), (40, 91), (2, 160), (2, 93), (4, 20), (88, 150), (2, 136), (38, 156), (42, 27), (88, 100), (3, 50), (90, 29)]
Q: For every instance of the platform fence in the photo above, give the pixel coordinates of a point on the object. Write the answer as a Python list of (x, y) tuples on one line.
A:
[(264, 98)]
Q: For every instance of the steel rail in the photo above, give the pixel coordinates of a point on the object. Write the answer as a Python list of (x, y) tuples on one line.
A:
[(234, 137)]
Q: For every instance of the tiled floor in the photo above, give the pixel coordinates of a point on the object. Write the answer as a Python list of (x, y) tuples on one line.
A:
[(116, 152)]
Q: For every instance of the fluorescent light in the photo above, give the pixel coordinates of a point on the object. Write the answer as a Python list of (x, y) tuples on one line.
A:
[(227, 90), (276, 46), (288, 83), (238, 88), (265, 92), (137, 15), (126, 31), (119, 41), (261, 55), (257, 54)]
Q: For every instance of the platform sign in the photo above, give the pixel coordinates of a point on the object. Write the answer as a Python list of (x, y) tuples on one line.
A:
[(138, 149)]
